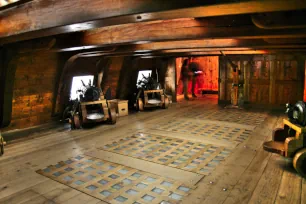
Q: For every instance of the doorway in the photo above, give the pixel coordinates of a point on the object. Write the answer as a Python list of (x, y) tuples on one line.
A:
[(207, 83)]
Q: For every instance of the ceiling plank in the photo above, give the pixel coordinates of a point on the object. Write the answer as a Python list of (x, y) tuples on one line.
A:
[(42, 18)]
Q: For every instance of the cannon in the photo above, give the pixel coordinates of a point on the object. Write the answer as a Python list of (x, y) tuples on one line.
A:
[(150, 94), (151, 98), (290, 141), (91, 107)]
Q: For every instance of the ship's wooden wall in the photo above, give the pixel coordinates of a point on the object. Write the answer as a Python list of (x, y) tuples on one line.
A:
[(111, 75), (36, 84), (33, 91), (269, 79)]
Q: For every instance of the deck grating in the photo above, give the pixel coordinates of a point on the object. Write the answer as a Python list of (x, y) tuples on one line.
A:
[(114, 183), (192, 156), (215, 131)]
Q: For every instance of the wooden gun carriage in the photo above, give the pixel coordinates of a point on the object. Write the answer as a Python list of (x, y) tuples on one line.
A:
[(92, 112), (290, 142), (151, 98)]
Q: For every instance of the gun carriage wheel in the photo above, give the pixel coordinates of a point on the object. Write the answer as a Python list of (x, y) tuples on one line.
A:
[(299, 162), (1, 145), (76, 121), (166, 103), (139, 104), (112, 116)]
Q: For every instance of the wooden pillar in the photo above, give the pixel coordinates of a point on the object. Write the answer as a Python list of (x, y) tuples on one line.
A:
[(246, 86), (111, 77), (222, 79), (124, 85), (170, 79), (272, 89), (301, 78)]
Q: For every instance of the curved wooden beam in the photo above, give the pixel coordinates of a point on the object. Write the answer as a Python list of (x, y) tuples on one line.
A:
[(258, 23)]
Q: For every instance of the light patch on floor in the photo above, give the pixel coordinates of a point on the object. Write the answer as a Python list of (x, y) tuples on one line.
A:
[(188, 155), (115, 183), (227, 115), (215, 131)]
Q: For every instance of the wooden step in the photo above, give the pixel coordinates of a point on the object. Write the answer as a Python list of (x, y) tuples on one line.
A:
[(275, 147)]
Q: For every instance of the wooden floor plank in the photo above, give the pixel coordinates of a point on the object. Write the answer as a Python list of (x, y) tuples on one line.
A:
[(242, 192), (223, 123), (271, 177), (62, 194), (39, 200), (224, 180), (216, 187), (46, 186), (268, 185), (303, 195), (81, 199), (20, 197), (244, 188), (154, 168), (291, 186), (23, 182)]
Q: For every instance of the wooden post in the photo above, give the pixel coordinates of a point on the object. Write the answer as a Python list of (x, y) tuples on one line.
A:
[(301, 78), (272, 83), (234, 99), (222, 79), (170, 79), (246, 85)]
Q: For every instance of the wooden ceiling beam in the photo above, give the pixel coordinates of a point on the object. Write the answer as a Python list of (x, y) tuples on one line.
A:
[(49, 44), (215, 44), (192, 29), (40, 18), (169, 34), (231, 49), (199, 53), (242, 52)]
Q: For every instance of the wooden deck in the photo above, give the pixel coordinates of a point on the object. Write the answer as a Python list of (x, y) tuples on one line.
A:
[(247, 175)]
